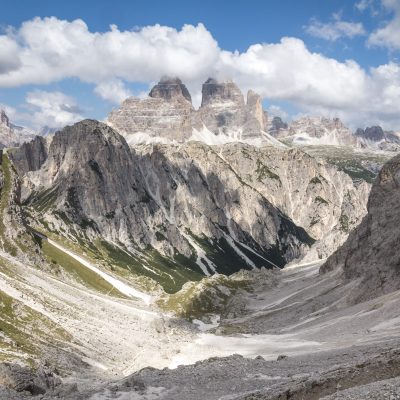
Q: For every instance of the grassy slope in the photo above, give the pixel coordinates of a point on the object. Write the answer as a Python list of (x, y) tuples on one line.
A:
[(58, 259)]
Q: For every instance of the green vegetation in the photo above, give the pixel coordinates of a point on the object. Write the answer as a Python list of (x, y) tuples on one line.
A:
[(170, 273), (209, 296), (24, 330), (314, 221), (263, 172), (359, 165), (315, 180), (59, 259), (320, 200), (344, 223)]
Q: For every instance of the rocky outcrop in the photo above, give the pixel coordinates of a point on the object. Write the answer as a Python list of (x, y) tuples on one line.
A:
[(370, 254), (30, 156), (181, 201), (374, 133), (164, 116), (275, 125), (169, 89), (317, 131), (167, 114), (222, 208), (12, 135), (315, 195), (375, 137)]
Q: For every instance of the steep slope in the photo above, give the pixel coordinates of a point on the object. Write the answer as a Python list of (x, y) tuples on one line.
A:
[(164, 116), (172, 213), (370, 253), (314, 194)]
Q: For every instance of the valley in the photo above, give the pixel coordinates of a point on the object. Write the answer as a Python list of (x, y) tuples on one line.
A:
[(139, 262)]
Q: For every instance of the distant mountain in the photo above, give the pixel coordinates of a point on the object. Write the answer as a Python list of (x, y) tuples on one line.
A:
[(376, 138), (12, 135), (316, 131), (168, 115)]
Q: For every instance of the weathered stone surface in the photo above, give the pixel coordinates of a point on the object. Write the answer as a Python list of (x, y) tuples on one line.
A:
[(170, 88), (371, 251), (170, 198), (173, 197), (12, 135), (30, 156), (318, 130), (168, 115)]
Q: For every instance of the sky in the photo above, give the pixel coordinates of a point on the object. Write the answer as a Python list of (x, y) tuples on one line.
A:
[(63, 61)]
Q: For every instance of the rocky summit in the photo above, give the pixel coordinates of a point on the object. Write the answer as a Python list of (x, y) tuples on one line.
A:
[(168, 115)]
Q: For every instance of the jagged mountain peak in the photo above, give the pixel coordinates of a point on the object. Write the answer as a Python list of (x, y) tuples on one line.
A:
[(169, 88), (4, 118), (374, 133), (215, 92)]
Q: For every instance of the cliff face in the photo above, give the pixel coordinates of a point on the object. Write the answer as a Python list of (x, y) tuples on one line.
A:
[(30, 156), (221, 208), (180, 201), (370, 253), (167, 114)]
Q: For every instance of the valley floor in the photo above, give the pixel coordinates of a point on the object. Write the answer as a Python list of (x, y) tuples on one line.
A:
[(294, 314)]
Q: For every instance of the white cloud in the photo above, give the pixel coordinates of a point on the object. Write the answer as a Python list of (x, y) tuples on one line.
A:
[(335, 29), (9, 51), (389, 35), (52, 109), (50, 50), (113, 90), (364, 5)]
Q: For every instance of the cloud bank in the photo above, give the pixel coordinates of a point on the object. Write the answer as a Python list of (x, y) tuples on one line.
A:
[(48, 50)]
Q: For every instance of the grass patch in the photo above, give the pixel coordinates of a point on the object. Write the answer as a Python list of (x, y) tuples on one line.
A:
[(263, 172), (59, 259)]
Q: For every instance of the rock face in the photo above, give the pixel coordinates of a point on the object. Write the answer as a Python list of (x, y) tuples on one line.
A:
[(317, 197), (376, 138), (218, 208), (370, 253), (170, 88), (12, 135), (275, 125), (317, 131), (167, 115), (30, 156), (180, 201)]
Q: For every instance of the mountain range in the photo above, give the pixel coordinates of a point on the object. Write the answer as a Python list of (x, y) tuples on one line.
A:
[(177, 253)]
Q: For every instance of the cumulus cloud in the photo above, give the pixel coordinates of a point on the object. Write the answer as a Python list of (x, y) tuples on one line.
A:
[(50, 50), (389, 35), (335, 29), (113, 90), (9, 51), (363, 5), (52, 109)]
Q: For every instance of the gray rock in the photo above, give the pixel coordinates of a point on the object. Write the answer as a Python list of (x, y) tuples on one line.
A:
[(370, 252)]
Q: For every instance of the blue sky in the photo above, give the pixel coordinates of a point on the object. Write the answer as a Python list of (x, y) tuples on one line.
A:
[(334, 29)]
